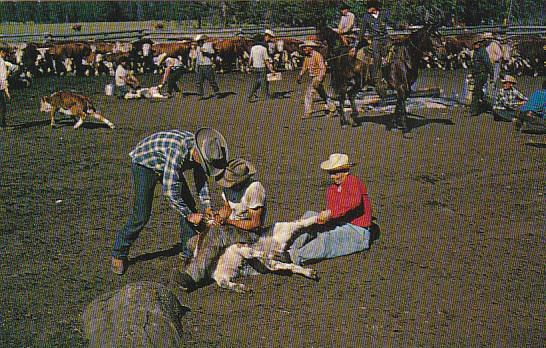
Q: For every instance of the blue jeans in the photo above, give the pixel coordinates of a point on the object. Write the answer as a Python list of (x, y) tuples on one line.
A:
[(206, 72), (145, 180), (260, 78), (341, 240)]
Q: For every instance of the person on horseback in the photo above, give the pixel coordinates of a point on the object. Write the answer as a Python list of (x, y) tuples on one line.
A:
[(374, 23), (346, 25)]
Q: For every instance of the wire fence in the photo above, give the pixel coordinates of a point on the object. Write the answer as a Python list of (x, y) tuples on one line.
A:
[(297, 33)]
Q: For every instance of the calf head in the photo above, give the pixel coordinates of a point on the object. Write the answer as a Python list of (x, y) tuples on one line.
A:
[(45, 104)]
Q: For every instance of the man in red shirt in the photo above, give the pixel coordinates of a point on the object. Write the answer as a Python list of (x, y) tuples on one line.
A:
[(346, 220)]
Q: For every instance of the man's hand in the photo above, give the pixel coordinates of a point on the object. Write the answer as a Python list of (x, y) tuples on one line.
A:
[(324, 216), (224, 212), (194, 218)]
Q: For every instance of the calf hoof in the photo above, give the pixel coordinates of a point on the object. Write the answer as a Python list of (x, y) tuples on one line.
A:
[(241, 288), (312, 274)]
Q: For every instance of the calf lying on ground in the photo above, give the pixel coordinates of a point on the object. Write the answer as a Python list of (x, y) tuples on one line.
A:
[(266, 250), (148, 93), (75, 105)]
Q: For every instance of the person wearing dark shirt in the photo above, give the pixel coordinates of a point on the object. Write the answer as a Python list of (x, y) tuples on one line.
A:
[(482, 69)]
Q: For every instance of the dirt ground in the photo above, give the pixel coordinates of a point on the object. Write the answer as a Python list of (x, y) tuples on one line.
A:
[(459, 260)]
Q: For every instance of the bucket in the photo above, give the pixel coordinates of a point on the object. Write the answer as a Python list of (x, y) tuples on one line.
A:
[(274, 76), (109, 89)]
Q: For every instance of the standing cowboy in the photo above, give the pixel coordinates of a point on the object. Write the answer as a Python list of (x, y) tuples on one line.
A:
[(205, 70), (314, 63), (163, 157), (260, 63), (481, 71), (374, 23), (4, 93)]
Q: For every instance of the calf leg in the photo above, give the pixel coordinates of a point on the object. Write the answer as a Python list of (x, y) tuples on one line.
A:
[(82, 116), (281, 266), (52, 116), (103, 119), (227, 267)]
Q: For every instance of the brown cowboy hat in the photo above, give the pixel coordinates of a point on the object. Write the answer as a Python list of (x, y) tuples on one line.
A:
[(373, 3), (212, 150), (237, 171)]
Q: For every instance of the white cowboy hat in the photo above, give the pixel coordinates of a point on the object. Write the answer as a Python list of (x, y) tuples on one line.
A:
[(309, 43), (508, 78), (336, 161), (200, 37), (213, 151), (237, 171), (269, 32)]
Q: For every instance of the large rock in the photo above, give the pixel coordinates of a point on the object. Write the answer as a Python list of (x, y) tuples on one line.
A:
[(142, 314)]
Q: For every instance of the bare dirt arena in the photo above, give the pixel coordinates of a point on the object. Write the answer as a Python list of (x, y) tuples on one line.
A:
[(459, 260)]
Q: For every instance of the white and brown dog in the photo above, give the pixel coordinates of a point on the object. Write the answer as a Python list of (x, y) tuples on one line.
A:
[(271, 244), (75, 105)]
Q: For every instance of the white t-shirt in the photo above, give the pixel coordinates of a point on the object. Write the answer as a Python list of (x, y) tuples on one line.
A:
[(258, 56), (121, 75), (207, 48), (3, 74), (253, 198)]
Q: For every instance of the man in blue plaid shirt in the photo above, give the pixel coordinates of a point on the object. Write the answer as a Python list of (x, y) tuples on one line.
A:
[(163, 157), (509, 100)]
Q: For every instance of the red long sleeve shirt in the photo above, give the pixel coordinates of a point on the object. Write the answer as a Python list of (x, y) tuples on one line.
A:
[(350, 200)]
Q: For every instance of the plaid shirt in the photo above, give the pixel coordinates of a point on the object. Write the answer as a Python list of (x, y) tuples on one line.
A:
[(509, 98), (169, 154)]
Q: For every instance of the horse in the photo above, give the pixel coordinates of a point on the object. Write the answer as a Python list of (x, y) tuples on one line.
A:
[(348, 73)]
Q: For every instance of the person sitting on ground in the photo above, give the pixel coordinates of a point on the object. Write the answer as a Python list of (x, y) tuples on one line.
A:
[(244, 208), (121, 78), (509, 100), (346, 220), (533, 112), (314, 63)]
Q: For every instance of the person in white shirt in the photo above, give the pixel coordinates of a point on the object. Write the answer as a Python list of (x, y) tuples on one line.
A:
[(346, 23), (259, 62), (121, 78), (205, 70), (4, 93)]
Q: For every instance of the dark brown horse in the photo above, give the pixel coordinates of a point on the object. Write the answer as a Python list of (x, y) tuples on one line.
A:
[(348, 74)]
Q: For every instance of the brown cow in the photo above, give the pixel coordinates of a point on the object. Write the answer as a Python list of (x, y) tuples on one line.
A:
[(172, 49), (75, 105), (64, 53), (230, 51)]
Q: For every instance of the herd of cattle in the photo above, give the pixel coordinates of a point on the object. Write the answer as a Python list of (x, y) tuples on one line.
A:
[(525, 55)]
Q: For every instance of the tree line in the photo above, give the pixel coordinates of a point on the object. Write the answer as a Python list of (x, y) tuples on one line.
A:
[(274, 13)]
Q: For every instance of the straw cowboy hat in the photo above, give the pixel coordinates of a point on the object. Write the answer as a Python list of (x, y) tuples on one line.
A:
[(269, 32), (336, 161), (309, 43), (237, 171), (200, 37), (213, 151), (484, 37), (508, 78)]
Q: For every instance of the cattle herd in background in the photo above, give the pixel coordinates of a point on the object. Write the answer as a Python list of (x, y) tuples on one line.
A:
[(527, 56)]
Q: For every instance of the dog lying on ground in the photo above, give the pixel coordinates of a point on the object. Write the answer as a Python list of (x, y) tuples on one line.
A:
[(267, 250), (75, 105)]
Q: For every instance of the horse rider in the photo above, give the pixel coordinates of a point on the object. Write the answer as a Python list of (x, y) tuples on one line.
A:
[(346, 25), (374, 22)]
